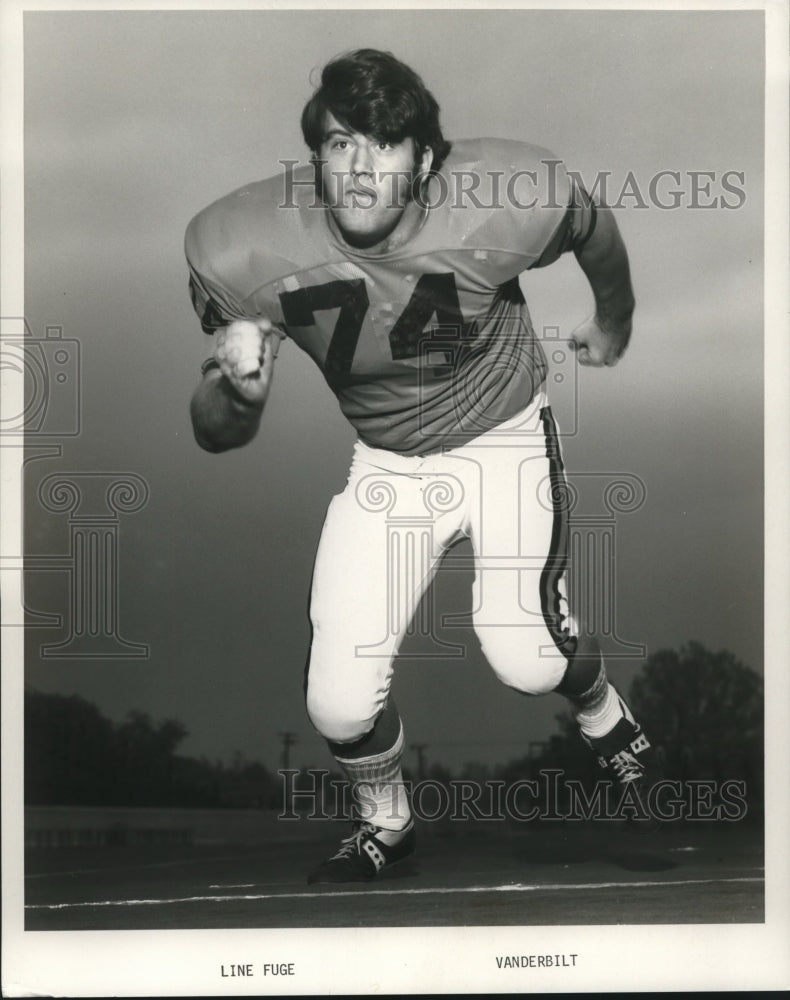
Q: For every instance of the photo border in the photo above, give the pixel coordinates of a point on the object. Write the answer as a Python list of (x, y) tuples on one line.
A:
[(162, 963)]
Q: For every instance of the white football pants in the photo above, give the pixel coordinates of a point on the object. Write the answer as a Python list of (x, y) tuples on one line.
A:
[(381, 545)]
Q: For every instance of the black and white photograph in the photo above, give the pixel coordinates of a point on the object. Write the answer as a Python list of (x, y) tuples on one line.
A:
[(395, 473)]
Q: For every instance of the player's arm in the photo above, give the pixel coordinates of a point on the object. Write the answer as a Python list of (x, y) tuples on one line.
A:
[(602, 339), (227, 405)]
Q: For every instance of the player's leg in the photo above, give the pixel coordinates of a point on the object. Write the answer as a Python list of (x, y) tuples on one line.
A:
[(382, 829), (361, 605), (538, 650), (604, 718)]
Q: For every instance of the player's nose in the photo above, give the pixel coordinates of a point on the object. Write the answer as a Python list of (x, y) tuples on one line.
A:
[(362, 162)]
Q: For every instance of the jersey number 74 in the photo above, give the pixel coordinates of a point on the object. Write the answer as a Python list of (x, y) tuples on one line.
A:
[(433, 294)]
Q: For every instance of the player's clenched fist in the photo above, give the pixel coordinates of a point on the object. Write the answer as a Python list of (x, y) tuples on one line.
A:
[(597, 344), (244, 352)]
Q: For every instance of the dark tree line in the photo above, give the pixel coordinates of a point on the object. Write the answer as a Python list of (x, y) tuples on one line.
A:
[(706, 710), (703, 712), (75, 756)]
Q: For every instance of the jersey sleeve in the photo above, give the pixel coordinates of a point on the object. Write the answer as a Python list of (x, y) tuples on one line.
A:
[(577, 226), (213, 302), (213, 306)]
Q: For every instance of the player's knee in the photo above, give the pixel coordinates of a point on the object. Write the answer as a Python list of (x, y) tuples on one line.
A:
[(335, 724), (527, 668), (533, 678), (338, 717)]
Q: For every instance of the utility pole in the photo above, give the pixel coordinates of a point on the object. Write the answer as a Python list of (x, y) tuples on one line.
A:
[(288, 739), (419, 749)]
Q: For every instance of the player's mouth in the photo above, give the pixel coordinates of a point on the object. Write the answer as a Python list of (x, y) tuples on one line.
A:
[(359, 197)]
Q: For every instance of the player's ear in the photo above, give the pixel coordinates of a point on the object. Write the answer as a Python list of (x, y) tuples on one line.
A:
[(425, 161)]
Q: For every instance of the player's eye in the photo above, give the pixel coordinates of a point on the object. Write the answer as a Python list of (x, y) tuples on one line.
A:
[(385, 145), (339, 144)]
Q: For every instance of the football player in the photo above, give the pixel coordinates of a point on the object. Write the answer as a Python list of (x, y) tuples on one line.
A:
[(393, 259)]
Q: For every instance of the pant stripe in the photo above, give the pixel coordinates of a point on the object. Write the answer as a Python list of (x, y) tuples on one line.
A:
[(556, 564)]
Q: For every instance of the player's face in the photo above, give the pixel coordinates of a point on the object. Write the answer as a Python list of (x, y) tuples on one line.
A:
[(367, 182)]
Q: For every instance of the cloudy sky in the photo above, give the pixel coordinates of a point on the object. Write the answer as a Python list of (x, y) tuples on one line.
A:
[(135, 121)]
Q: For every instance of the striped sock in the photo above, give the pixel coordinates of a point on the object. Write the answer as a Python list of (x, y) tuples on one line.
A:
[(602, 711), (378, 788)]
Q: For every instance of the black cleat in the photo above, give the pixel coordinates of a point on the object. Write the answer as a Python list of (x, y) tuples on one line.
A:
[(623, 750), (365, 853), (626, 753)]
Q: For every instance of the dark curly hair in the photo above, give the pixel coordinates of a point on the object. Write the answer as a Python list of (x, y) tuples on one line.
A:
[(373, 93)]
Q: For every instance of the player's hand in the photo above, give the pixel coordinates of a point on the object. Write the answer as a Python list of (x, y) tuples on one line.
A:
[(597, 343), (244, 352)]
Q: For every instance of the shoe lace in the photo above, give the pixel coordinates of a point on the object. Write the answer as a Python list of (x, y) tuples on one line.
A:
[(352, 845), (626, 766)]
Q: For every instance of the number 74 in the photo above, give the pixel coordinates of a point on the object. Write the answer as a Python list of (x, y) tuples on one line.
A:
[(433, 294)]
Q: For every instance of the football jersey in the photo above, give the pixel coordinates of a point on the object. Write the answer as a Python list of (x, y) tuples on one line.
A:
[(425, 346)]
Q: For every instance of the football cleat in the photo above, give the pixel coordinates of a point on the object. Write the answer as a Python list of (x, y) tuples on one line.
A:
[(625, 751), (368, 851), (621, 749), (625, 762)]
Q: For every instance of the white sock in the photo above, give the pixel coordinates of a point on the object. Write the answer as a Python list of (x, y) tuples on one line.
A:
[(377, 785), (601, 718)]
